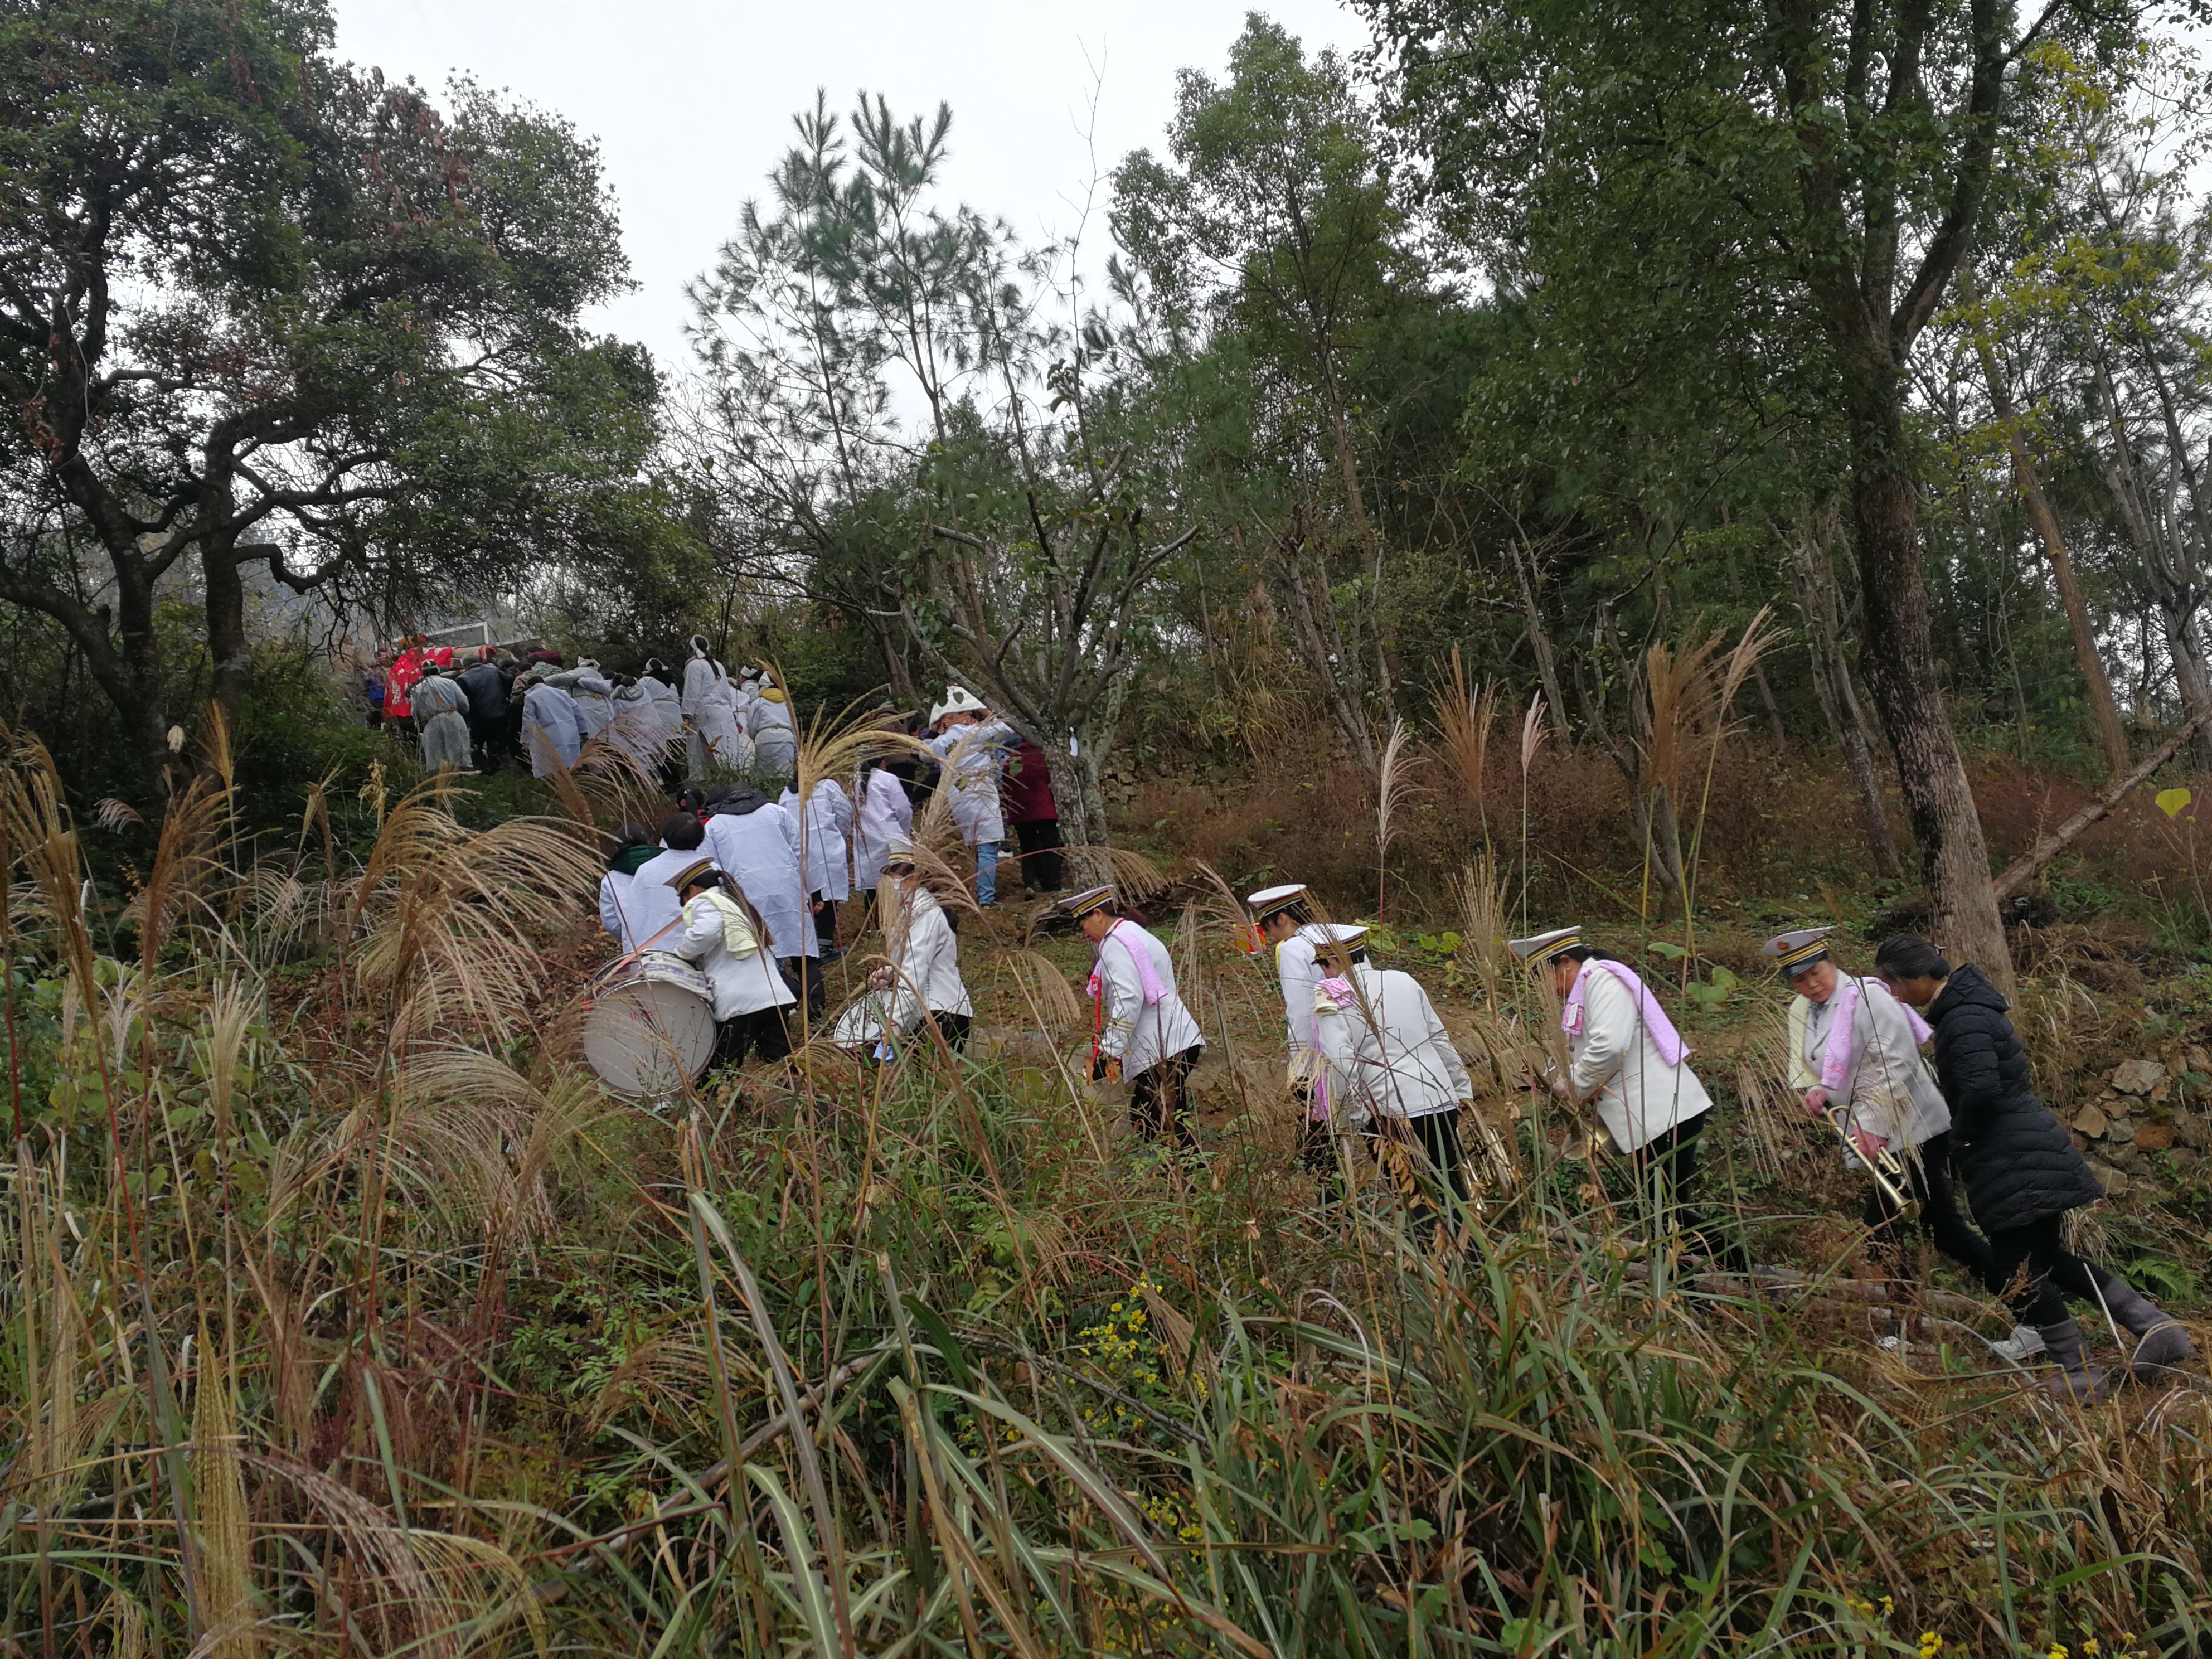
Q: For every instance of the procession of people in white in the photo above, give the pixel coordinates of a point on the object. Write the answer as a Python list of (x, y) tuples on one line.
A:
[(747, 888)]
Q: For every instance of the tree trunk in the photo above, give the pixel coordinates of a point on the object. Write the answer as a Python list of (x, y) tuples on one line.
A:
[(1898, 656), (230, 654), (1812, 572), (2110, 732), (2169, 576), (1082, 801), (1539, 638)]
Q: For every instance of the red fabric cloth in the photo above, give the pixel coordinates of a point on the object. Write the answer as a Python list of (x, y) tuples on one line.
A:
[(442, 655), (406, 669), (1025, 787)]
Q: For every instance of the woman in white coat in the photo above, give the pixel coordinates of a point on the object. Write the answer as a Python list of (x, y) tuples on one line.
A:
[(775, 736), (924, 973), (716, 742), (726, 936), (1626, 1060)]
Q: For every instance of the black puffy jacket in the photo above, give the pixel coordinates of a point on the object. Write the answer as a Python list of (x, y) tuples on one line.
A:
[(2019, 1162)]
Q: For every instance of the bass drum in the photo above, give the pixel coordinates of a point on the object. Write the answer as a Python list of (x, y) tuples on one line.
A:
[(649, 1024)]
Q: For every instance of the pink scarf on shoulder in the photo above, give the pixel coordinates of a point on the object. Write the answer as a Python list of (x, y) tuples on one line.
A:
[(1836, 1057), (1664, 1037), (1148, 979)]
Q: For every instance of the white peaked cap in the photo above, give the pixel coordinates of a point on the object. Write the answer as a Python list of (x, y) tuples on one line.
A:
[(1334, 932), (1269, 900), (897, 849), (1541, 947), (1799, 948)]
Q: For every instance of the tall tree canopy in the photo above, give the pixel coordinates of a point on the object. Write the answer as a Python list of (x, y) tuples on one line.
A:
[(258, 308)]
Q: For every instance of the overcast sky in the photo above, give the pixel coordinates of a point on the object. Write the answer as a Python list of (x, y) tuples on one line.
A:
[(691, 100)]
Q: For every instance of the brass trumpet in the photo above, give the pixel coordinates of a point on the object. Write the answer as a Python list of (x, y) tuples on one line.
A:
[(1885, 1167)]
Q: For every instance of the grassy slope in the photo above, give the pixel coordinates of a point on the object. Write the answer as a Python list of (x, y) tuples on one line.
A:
[(479, 1336)]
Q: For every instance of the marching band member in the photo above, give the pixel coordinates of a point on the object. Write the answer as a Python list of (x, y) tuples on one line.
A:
[(2022, 1171), (1851, 1040), (1284, 916), (1626, 1059), (924, 972), (634, 850), (724, 935), (1393, 1068), (757, 843), (1143, 1031), (974, 748)]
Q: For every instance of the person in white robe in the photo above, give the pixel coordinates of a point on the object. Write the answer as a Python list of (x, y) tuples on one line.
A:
[(652, 908), (757, 843), (1394, 1072), (723, 933), (552, 729), (826, 822), (973, 749), (882, 813), (658, 683), (1627, 1062), (623, 914), (1142, 1030), (593, 691), (715, 742), (775, 734), (1851, 1041), (442, 708), (923, 977)]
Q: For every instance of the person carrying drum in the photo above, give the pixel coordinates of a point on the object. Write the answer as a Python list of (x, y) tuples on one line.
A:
[(726, 936), (923, 975)]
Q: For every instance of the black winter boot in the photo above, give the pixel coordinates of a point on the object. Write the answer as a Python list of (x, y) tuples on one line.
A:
[(2077, 1379), (2164, 1345)]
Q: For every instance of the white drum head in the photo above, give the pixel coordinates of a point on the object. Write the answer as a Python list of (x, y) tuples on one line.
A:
[(649, 1037)]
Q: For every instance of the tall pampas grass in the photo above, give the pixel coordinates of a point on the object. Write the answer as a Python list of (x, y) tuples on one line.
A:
[(1394, 790), (1468, 718), (1532, 739)]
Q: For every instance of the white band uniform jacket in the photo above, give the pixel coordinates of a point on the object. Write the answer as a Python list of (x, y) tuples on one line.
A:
[(1889, 1090), (743, 984), (1640, 1096), (1387, 1052), (925, 963), (760, 848), (641, 910), (884, 811), (974, 756), (1138, 1034), (1299, 975)]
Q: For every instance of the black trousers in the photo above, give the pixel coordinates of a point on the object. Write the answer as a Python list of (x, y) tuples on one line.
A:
[(1424, 1160), (1928, 1178), (761, 1032), (804, 975), (953, 1028), (1041, 861), (1668, 1177), (1159, 1100), (2053, 1272), (825, 919)]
